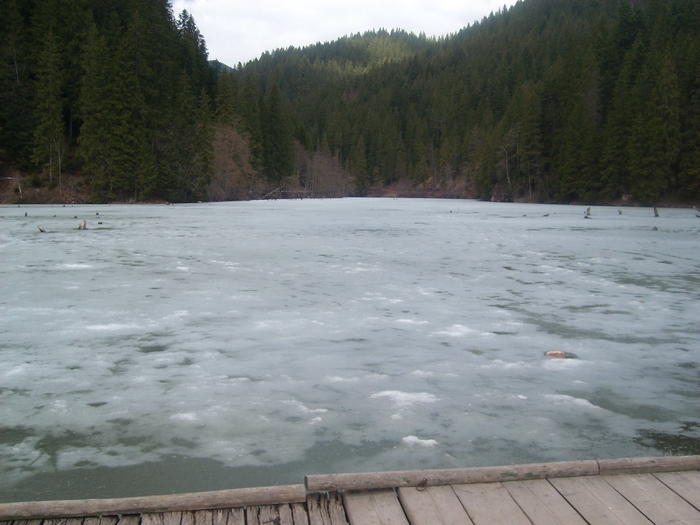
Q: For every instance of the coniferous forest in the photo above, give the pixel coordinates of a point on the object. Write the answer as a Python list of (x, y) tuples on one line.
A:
[(548, 100)]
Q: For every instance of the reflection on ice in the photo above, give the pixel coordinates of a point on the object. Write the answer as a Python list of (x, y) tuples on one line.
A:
[(237, 344)]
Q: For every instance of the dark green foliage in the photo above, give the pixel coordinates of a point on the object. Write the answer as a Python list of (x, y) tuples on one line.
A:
[(106, 83), (545, 100), (278, 144), (579, 100), (49, 142)]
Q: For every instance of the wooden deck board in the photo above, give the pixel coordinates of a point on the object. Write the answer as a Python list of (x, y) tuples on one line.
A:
[(490, 504), (375, 507), (433, 506), (326, 509), (655, 500), (301, 517), (637, 491), (685, 484), (598, 502), (542, 504)]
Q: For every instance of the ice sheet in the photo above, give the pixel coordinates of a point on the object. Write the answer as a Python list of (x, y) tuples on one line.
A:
[(284, 338)]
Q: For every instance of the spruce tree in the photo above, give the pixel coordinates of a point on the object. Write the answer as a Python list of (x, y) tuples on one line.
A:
[(278, 145), (49, 139)]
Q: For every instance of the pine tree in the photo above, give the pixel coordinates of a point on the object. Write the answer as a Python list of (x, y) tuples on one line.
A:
[(226, 95), (655, 136), (689, 184), (249, 109), (278, 145), (49, 139), (16, 112), (98, 117), (358, 166)]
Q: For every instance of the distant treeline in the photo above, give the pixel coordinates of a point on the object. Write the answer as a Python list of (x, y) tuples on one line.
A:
[(549, 100)]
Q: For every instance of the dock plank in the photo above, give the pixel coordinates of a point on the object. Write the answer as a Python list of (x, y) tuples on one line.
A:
[(685, 484), (103, 520), (326, 509), (433, 506), (490, 504), (203, 517), (172, 518), (187, 518), (598, 502), (301, 517), (150, 518), (376, 507), (654, 499), (227, 517), (127, 520), (542, 504)]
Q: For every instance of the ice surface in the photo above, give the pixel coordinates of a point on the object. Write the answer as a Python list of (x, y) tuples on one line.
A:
[(218, 346)]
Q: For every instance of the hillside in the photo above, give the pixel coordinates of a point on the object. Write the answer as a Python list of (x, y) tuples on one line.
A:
[(549, 100)]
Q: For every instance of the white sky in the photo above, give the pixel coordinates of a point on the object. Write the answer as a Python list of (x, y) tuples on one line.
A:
[(241, 30)]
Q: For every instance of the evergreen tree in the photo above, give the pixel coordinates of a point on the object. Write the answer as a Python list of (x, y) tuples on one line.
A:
[(655, 139), (249, 109), (98, 117), (278, 145), (49, 140), (226, 95), (16, 93), (359, 167), (689, 184)]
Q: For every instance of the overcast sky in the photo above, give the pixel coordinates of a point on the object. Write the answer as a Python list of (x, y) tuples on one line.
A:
[(241, 30)]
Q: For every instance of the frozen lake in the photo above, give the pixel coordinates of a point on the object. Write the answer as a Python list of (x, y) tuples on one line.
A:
[(197, 347)]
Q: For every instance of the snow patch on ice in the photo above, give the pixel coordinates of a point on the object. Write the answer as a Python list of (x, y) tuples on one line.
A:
[(562, 399), (413, 440), (405, 399), (338, 379), (189, 417), (303, 408), (112, 326)]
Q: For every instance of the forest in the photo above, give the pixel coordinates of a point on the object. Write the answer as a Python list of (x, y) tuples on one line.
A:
[(592, 101)]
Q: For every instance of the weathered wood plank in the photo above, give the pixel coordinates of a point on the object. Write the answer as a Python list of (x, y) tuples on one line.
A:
[(490, 504), (228, 517), (376, 507), (326, 509), (285, 514), (598, 502), (104, 520), (203, 517), (301, 517), (542, 504), (152, 518), (647, 465), (129, 520), (414, 478), (168, 503), (655, 500), (685, 484), (187, 518), (30, 522), (172, 518), (75, 521), (55, 522), (433, 506)]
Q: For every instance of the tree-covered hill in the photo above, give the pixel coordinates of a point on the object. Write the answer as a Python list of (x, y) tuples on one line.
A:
[(592, 100), (549, 100)]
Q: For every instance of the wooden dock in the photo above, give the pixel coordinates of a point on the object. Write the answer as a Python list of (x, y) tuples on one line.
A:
[(639, 491)]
